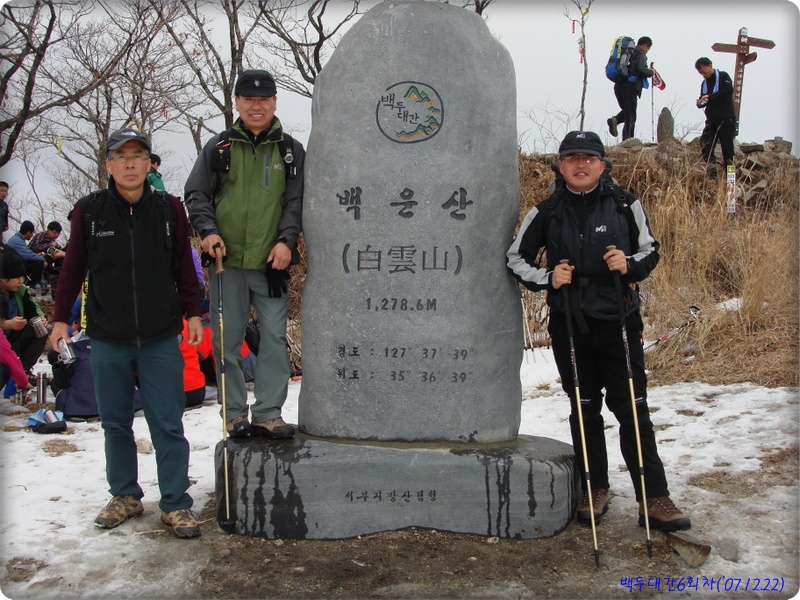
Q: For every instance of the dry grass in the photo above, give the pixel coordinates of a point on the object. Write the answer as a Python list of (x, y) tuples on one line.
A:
[(740, 269)]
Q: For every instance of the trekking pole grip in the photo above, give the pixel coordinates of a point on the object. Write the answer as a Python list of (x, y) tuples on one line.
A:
[(218, 260)]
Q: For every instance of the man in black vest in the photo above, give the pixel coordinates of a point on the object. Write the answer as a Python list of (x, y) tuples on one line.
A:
[(132, 244)]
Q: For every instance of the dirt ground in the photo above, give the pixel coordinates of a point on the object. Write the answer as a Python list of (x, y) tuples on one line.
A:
[(417, 563)]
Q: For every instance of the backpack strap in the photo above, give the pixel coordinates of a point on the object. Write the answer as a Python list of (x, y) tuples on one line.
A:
[(165, 201), (221, 158), (285, 146), (90, 207), (624, 200)]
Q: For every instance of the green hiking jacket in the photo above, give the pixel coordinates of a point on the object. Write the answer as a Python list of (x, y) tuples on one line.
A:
[(253, 205)]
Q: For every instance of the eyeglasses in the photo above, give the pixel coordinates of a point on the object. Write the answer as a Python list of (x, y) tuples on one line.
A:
[(574, 158), (123, 158)]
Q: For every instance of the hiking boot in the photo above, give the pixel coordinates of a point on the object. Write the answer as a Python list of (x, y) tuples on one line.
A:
[(612, 126), (118, 510), (276, 429), (183, 523), (601, 499), (664, 515), (239, 427)]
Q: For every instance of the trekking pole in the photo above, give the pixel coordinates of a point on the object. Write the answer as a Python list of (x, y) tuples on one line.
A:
[(621, 305), (577, 385), (227, 523), (693, 311), (527, 338), (652, 108)]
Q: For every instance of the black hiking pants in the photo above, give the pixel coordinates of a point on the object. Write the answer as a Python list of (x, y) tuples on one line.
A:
[(600, 356), (722, 131), (628, 100)]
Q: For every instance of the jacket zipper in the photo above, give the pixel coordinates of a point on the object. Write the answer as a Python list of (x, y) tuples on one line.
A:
[(133, 279)]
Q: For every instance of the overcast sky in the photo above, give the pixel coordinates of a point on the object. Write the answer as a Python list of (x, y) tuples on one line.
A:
[(546, 58), (549, 72)]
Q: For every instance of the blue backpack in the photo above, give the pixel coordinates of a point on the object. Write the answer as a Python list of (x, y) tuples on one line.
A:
[(76, 400), (618, 67)]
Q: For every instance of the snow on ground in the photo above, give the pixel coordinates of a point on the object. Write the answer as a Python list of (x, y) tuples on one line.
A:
[(49, 501)]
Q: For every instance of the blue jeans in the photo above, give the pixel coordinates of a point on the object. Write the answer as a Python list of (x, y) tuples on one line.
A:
[(159, 367)]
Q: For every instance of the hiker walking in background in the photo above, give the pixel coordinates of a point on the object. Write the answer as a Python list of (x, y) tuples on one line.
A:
[(716, 98), (576, 224), (133, 244), (245, 198), (628, 87)]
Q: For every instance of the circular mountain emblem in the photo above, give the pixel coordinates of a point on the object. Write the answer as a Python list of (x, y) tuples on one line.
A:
[(409, 112)]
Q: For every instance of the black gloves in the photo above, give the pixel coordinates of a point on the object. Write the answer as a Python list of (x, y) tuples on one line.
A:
[(277, 281)]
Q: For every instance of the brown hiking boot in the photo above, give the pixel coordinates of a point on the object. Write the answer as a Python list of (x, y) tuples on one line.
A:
[(276, 429), (601, 498), (238, 427), (118, 510), (183, 523), (664, 515)]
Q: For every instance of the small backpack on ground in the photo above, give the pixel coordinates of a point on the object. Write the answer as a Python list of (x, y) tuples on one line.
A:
[(619, 61)]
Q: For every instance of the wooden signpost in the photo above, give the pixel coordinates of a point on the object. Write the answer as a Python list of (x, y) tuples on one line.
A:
[(743, 57)]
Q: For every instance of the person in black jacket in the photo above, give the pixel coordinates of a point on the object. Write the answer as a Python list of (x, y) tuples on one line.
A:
[(132, 245), (576, 224), (716, 97), (629, 91)]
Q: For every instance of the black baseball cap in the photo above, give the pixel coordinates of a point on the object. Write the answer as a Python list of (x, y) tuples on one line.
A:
[(587, 142), (121, 136), (255, 82), (11, 265)]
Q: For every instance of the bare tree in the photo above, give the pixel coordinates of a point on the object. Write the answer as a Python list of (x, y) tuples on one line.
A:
[(213, 65), (33, 34), (583, 12), (551, 124), (148, 91), (295, 34), (477, 5)]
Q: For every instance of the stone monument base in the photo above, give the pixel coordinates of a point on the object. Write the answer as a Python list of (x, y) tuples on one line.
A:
[(315, 488)]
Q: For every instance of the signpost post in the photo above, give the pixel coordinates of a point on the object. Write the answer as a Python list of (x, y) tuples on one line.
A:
[(743, 57)]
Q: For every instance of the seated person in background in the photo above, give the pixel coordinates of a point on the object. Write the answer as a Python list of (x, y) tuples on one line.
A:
[(33, 263), (11, 367), (45, 243), (194, 380), (17, 309)]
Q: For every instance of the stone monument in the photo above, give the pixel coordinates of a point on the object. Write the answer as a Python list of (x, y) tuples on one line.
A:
[(411, 324)]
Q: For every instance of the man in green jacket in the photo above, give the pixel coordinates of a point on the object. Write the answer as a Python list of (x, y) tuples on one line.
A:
[(245, 199)]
